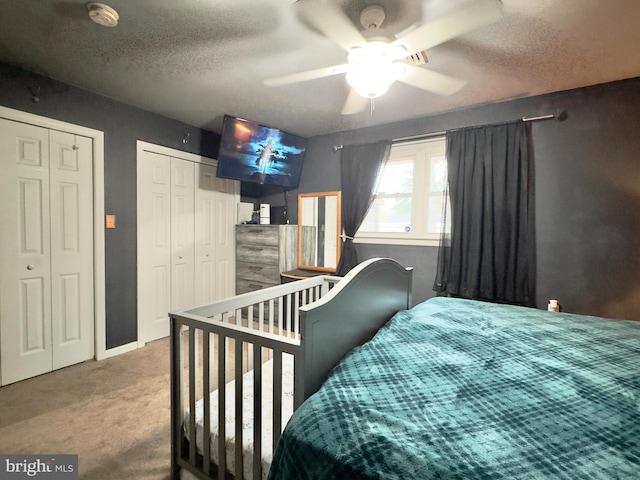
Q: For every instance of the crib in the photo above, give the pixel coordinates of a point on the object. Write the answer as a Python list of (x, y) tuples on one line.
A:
[(241, 366)]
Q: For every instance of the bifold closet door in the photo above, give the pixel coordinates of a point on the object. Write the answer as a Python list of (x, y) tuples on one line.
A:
[(166, 231), (25, 252), (154, 258), (186, 238), (46, 250), (182, 234), (72, 282), (215, 204)]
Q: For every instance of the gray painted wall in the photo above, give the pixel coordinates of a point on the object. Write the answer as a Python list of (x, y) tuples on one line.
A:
[(587, 186), (122, 125), (587, 193)]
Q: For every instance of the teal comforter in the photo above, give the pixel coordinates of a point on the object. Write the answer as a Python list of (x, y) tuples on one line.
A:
[(458, 389)]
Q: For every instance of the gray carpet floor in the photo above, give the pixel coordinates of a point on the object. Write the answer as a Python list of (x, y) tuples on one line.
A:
[(114, 414)]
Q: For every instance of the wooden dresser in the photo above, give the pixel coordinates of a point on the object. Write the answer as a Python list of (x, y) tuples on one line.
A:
[(262, 252)]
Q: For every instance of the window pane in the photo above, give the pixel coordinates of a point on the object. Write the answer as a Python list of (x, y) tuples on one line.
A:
[(435, 221), (388, 215), (438, 173), (404, 211), (396, 177)]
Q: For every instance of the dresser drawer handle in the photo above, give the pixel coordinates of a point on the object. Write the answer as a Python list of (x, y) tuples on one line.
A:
[(255, 286), (255, 268)]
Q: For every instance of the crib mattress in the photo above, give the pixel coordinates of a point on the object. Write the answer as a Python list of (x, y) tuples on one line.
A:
[(247, 419)]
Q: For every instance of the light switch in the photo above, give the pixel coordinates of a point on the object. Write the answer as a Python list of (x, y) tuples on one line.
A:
[(111, 221)]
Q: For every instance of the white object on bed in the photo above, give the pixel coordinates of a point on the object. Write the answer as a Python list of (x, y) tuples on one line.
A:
[(247, 419)]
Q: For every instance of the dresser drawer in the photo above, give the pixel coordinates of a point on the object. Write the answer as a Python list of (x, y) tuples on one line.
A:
[(257, 234), (261, 254), (258, 272), (244, 286)]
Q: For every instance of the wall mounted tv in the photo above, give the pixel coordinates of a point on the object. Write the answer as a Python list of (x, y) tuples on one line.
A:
[(254, 153)]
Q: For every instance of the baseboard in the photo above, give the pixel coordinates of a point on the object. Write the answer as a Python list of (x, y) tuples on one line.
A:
[(112, 352)]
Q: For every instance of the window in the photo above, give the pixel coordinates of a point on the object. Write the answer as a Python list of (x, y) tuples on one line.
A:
[(407, 208)]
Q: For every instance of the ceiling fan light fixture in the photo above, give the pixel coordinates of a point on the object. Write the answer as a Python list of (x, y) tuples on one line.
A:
[(398, 51), (366, 85), (371, 81), (377, 58), (372, 69)]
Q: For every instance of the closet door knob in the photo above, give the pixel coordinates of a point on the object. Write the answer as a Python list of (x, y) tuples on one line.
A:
[(30, 267)]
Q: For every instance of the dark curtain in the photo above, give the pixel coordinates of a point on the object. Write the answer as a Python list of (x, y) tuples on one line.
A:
[(490, 254), (360, 167)]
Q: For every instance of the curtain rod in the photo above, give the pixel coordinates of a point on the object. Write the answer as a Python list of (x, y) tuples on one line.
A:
[(426, 136)]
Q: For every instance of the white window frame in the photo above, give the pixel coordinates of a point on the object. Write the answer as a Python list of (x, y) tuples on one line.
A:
[(421, 152)]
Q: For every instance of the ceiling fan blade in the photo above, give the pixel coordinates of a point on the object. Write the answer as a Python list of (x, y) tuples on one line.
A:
[(331, 21), (432, 81), (355, 103), (464, 19), (306, 75)]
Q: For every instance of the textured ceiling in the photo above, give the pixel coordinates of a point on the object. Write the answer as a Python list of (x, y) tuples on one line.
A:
[(195, 60)]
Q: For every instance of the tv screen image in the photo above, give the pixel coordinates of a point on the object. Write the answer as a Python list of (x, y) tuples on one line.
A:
[(254, 153)]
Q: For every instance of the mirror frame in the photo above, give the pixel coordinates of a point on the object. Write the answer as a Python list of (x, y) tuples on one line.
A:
[(338, 196)]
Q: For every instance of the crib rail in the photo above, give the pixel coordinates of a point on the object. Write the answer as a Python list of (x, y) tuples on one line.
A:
[(215, 344)]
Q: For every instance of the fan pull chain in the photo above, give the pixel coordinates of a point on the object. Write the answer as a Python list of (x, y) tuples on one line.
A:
[(372, 106)]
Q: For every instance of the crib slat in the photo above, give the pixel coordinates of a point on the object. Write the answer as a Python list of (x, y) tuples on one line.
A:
[(289, 315), (177, 402), (192, 396), (206, 396), (296, 317), (222, 402), (239, 395), (257, 411), (280, 314), (271, 315), (277, 395)]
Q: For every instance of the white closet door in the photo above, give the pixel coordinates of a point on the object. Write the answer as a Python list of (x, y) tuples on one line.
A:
[(46, 250), (182, 234), (154, 254), (205, 234), (216, 200), (25, 257), (186, 236), (71, 190), (227, 198)]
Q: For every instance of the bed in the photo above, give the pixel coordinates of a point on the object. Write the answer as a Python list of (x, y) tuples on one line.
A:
[(460, 389), (267, 351)]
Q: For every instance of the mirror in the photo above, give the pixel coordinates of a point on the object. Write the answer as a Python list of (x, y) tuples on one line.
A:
[(319, 227)]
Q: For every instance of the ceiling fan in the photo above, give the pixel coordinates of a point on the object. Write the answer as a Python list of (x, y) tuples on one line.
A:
[(376, 59)]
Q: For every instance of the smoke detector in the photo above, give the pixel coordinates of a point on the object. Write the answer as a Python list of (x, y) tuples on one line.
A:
[(103, 14)]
